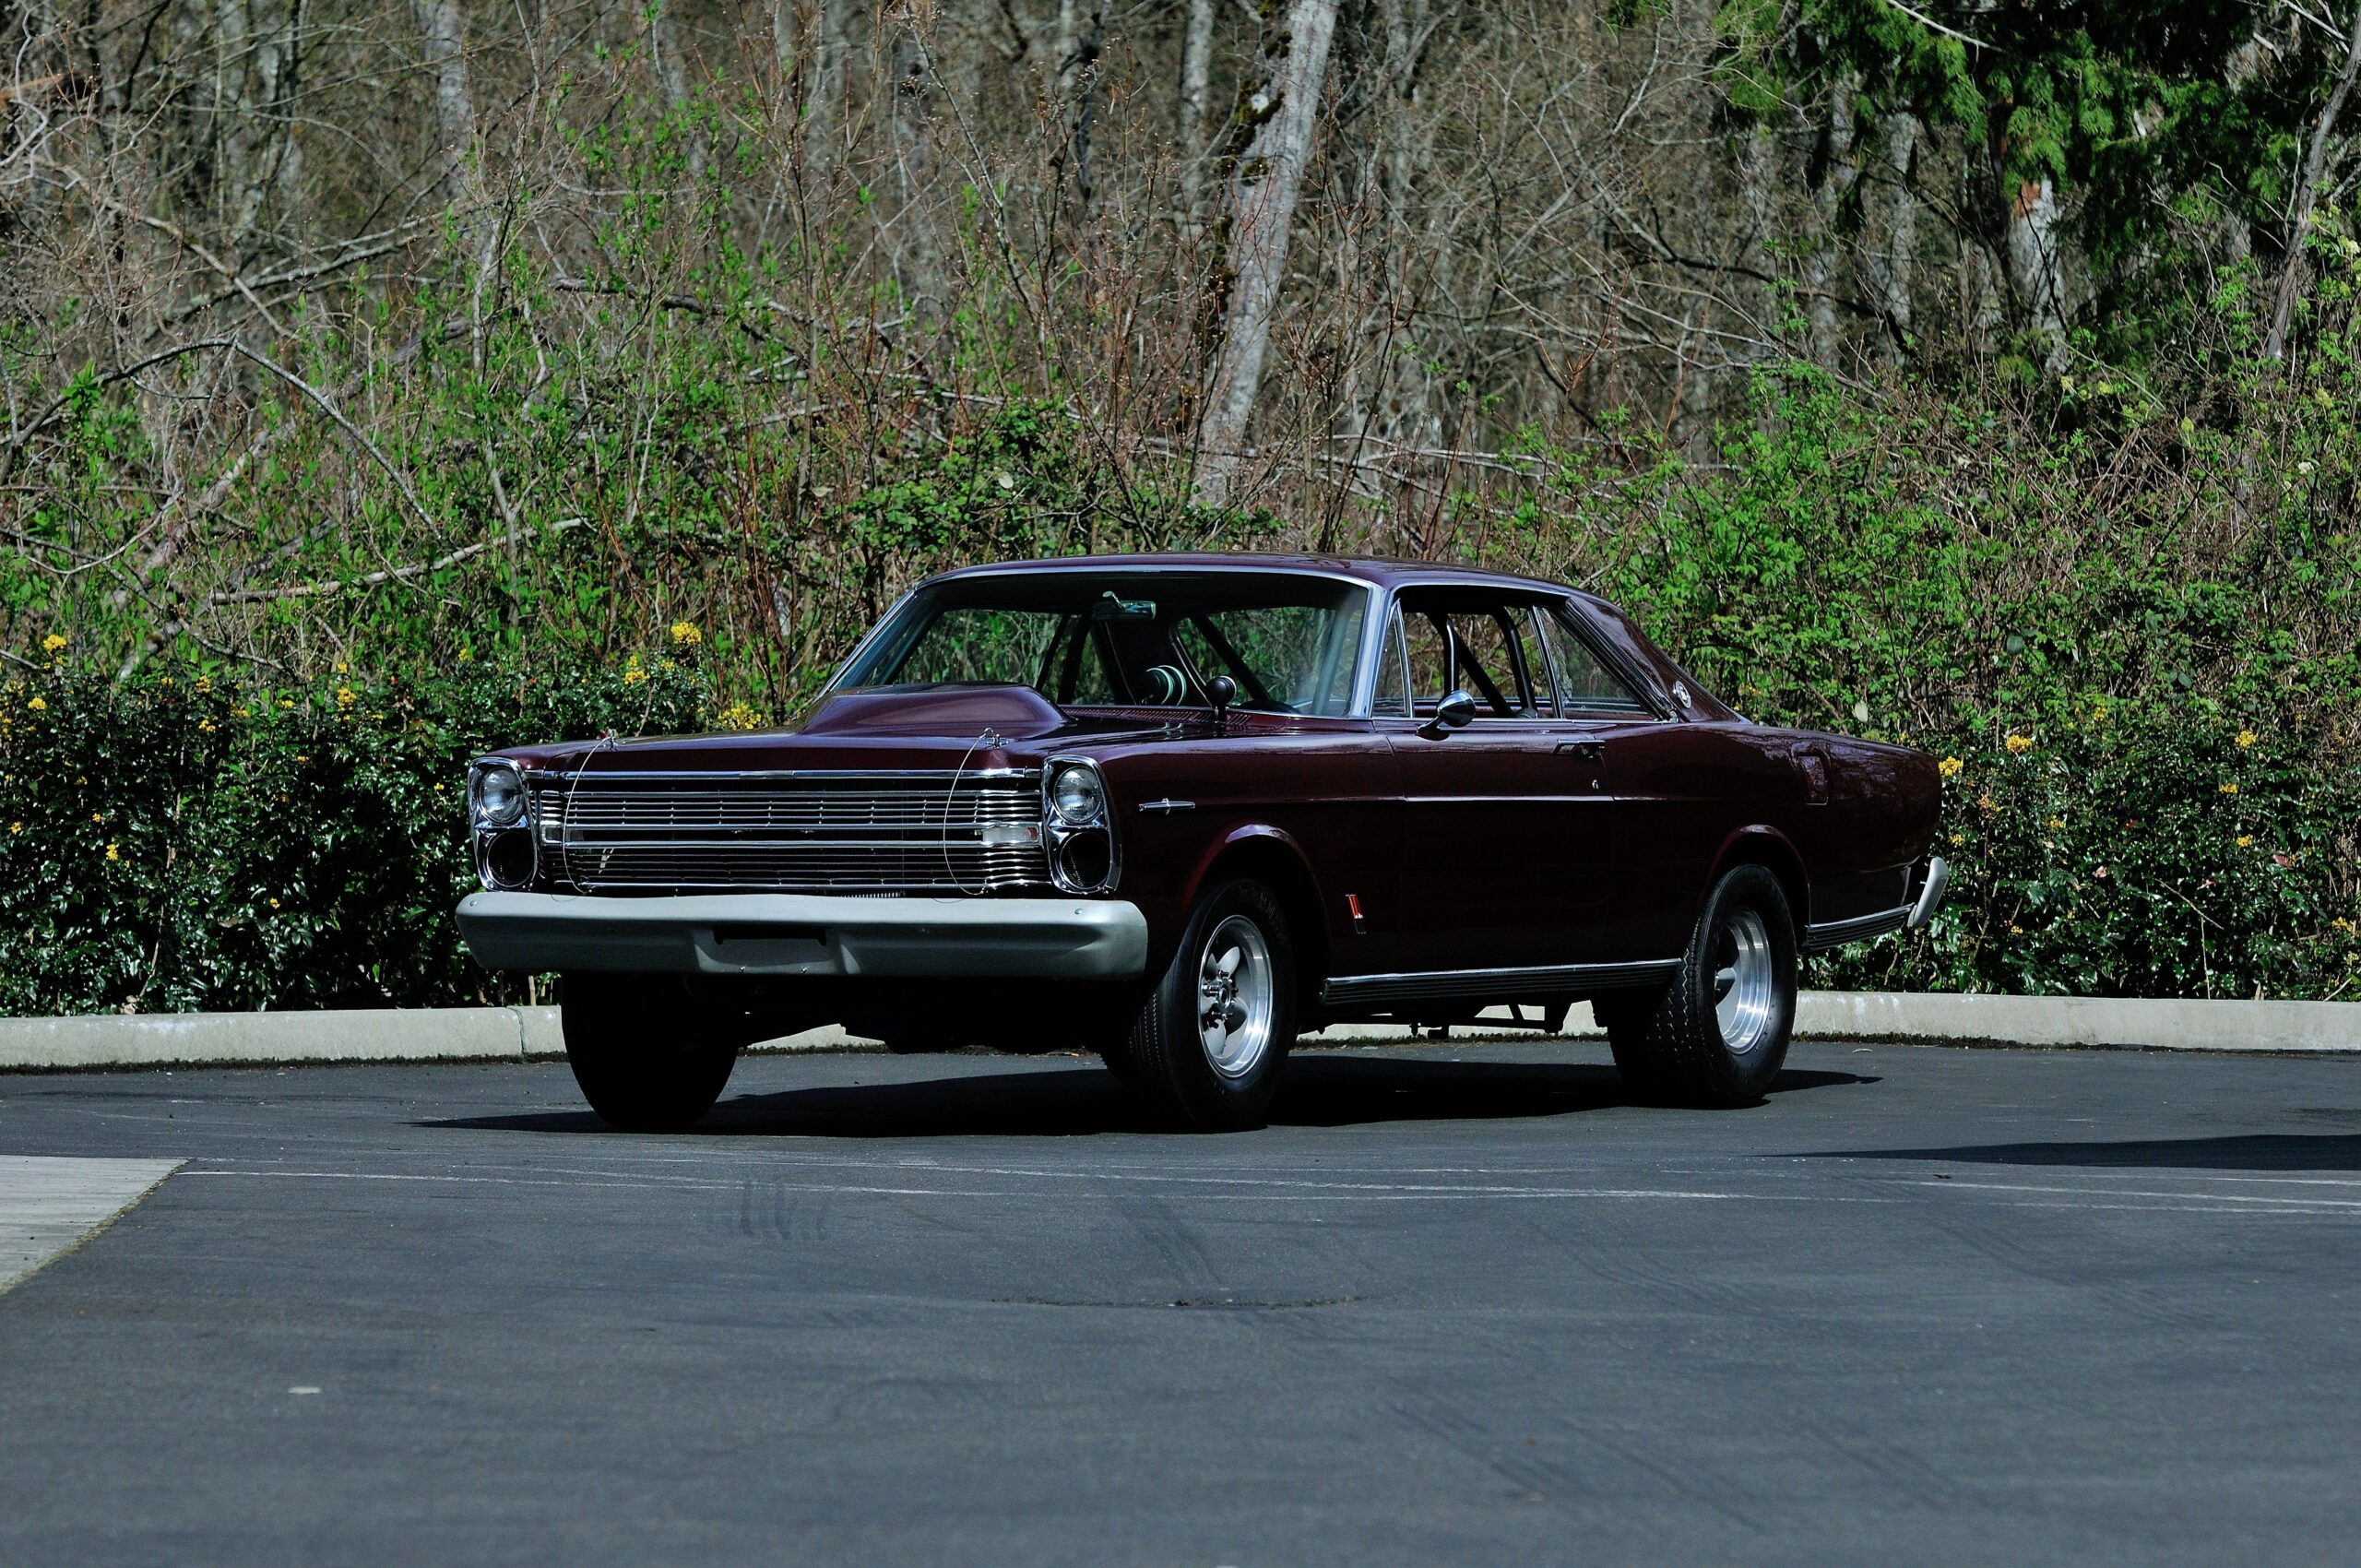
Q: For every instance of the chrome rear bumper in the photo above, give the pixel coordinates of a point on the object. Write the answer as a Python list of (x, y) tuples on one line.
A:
[(813, 935)]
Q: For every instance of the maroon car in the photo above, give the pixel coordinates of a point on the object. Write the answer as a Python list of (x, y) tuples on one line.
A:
[(1177, 809)]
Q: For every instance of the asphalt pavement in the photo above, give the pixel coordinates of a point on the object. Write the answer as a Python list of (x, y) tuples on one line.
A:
[(1458, 1305)]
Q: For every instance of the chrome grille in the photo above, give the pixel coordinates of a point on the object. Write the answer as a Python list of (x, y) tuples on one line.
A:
[(806, 833)]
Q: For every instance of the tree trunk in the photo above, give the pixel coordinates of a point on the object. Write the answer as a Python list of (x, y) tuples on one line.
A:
[(826, 86), (1196, 82), (255, 43), (444, 47), (2307, 195), (1893, 257), (671, 62), (1822, 272), (1757, 183), (2034, 267), (909, 228), (1283, 107)]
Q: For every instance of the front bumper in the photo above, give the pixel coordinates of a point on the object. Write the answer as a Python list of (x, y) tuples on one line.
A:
[(813, 934)]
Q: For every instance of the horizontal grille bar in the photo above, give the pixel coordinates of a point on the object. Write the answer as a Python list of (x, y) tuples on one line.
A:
[(874, 833)]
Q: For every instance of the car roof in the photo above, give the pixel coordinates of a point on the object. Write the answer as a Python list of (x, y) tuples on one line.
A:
[(1377, 570)]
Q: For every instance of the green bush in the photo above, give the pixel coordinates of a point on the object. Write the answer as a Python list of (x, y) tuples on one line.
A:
[(178, 845)]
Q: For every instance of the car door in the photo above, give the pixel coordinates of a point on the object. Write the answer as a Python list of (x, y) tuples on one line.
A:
[(1639, 845), (1501, 865)]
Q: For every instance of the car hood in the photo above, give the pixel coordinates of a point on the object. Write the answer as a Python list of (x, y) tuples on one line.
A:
[(943, 727)]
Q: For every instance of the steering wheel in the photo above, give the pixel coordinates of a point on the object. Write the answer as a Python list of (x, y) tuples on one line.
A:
[(1162, 685)]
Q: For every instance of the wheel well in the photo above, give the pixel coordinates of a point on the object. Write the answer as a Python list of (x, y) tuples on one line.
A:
[(1278, 869), (1777, 857)]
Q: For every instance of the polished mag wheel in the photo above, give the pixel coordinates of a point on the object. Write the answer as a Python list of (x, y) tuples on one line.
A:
[(1745, 982), (1206, 1048), (1234, 979), (1718, 1034)]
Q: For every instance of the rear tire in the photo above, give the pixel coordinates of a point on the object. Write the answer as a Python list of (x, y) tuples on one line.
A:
[(1718, 1034), (647, 1056), (1208, 1047)]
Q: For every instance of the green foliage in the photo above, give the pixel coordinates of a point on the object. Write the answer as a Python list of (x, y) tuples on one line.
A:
[(178, 845)]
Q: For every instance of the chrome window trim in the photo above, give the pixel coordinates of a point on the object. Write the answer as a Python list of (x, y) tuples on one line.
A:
[(1374, 597), (1650, 699)]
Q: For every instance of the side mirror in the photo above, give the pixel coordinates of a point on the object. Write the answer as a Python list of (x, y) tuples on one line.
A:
[(1222, 691), (1454, 712)]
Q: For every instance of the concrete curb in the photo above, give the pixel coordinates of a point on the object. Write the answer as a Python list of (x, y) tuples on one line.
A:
[(531, 1034), (285, 1040)]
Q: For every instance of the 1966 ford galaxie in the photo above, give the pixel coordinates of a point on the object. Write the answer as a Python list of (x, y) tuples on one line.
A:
[(1177, 809)]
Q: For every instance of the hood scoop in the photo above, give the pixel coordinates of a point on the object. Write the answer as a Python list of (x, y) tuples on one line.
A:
[(1019, 713)]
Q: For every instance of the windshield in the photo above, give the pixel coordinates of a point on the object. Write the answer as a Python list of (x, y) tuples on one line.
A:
[(1128, 639)]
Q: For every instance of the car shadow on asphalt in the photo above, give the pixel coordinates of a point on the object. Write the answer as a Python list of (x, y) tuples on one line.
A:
[(2251, 1151), (1079, 1097)]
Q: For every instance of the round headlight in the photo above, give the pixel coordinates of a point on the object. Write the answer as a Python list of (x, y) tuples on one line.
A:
[(499, 791), (1078, 796)]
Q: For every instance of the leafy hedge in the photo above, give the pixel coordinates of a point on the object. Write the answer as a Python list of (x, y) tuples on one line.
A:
[(183, 846)]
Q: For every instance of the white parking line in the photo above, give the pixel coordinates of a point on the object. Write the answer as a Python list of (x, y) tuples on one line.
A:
[(50, 1207)]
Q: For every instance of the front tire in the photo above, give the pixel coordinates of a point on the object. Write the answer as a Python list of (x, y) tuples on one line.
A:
[(648, 1058), (1718, 1034), (1207, 1048)]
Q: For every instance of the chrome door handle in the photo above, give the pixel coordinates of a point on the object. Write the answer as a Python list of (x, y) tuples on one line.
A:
[(1583, 751)]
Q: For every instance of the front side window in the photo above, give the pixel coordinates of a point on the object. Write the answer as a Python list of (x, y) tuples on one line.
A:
[(1486, 650), (1289, 642)]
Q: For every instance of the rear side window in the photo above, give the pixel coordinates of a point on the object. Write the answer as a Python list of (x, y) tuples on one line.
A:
[(1587, 686)]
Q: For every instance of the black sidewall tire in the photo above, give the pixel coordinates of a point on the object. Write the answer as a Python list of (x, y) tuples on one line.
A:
[(1164, 1058), (645, 1054), (1672, 1051)]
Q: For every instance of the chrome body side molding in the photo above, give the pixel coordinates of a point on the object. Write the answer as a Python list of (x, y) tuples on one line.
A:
[(1495, 985)]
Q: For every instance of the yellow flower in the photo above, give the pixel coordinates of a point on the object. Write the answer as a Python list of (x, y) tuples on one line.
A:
[(2016, 930), (345, 697), (287, 702), (241, 712), (2018, 745), (96, 816), (53, 643), (274, 903), (2230, 788), (341, 667), (2246, 840), (204, 683), (38, 706), (632, 673), (2056, 822), (738, 716), (15, 827), (2247, 738), (115, 851), (1986, 804), (205, 725), (2098, 713), (686, 635), (2348, 927), (1958, 838), (1950, 768)]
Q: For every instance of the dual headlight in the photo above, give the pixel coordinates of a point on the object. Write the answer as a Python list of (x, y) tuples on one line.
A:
[(506, 855), (496, 794), (1081, 828)]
